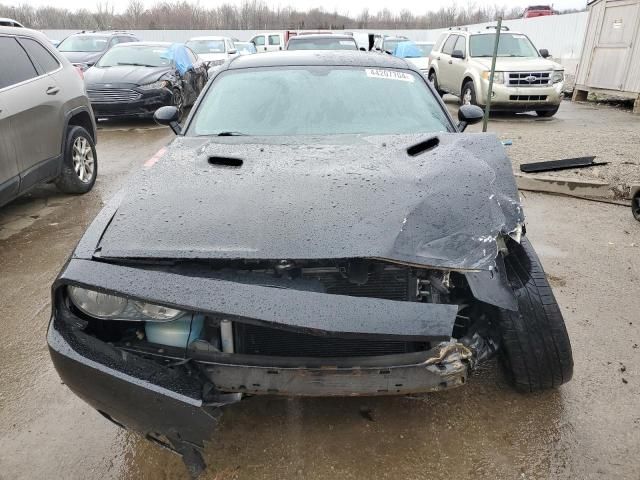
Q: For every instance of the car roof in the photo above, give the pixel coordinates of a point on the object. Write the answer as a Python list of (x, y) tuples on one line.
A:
[(23, 32), (104, 33), (337, 36), (144, 44), (302, 58), (424, 43), (210, 37)]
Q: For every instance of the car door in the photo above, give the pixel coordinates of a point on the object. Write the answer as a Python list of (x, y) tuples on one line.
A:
[(9, 172), (260, 42), (445, 80), (34, 111), (275, 42), (456, 67)]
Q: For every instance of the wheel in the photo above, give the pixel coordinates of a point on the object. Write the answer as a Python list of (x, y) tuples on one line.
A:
[(536, 351), (434, 81), (80, 162), (468, 94), (547, 113), (635, 206), (178, 101)]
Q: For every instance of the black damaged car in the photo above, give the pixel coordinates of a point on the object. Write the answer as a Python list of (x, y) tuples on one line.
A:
[(135, 79), (319, 227)]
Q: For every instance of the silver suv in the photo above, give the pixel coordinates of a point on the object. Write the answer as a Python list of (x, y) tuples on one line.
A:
[(525, 79), (47, 129)]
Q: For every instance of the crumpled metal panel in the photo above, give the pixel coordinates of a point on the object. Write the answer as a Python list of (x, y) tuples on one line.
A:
[(322, 198)]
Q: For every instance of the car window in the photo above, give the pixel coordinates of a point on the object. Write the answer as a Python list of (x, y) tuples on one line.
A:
[(84, 43), (11, 53), (390, 45), (510, 45), (145, 56), (40, 56), (259, 41), (305, 42), (192, 56), (341, 103), (449, 44), (274, 39), (461, 45), (425, 48), (206, 46)]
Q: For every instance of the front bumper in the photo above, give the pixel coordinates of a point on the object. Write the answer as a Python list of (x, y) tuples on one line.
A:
[(144, 107), (521, 99)]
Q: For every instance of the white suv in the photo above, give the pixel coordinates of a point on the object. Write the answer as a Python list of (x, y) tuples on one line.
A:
[(525, 79)]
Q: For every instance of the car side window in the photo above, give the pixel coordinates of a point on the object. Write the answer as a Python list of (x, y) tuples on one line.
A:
[(450, 44), (22, 69), (274, 39), (259, 41), (192, 56), (40, 56), (438, 46), (461, 45)]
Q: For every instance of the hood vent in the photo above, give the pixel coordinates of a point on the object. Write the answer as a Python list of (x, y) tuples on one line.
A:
[(225, 161), (424, 146)]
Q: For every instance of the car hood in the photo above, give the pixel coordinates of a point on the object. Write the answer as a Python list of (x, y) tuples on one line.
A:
[(422, 62), (124, 74), (519, 64), (326, 199), (82, 57)]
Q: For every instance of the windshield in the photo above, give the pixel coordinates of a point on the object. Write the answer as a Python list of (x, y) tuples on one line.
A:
[(141, 56), (390, 45), (511, 45), (310, 43), (345, 100), (84, 43), (245, 47), (206, 46), (425, 48)]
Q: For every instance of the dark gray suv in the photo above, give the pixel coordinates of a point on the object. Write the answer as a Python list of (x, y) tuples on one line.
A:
[(47, 128)]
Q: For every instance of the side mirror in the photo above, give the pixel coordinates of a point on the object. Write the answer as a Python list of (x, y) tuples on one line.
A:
[(233, 51), (457, 54), (468, 115), (544, 53), (169, 116)]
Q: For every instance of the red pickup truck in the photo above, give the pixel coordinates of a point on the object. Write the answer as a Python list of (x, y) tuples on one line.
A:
[(538, 11)]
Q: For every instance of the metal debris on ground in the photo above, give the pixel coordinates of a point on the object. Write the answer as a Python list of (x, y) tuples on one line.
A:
[(564, 164)]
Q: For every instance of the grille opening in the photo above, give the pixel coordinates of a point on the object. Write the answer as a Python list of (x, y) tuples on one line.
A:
[(225, 161), (528, 98)]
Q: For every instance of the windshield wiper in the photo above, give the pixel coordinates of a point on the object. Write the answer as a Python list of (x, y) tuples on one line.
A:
[(230, 134), (134, 64)]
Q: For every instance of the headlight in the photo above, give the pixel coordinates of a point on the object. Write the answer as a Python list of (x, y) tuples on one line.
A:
[(155, 85), (114, 307), (558, 76), (498, 77)]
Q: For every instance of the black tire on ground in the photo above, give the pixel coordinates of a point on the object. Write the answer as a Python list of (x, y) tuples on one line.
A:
[(468, 90), (178, 102), (635, 206), (547, 113), (434, 81), (80, 162), (536, 351)]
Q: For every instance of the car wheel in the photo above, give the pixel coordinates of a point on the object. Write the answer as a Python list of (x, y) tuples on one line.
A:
[(80, 162), (434, 81), (635, 206), (468, 94), (536, 351), (178, 101), (547, 113)]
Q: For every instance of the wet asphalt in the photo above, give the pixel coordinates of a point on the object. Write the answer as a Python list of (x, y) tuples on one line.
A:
[(588, 428)]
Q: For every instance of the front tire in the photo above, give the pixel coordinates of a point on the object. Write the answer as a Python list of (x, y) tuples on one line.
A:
[(536, 350), (434, 81), (80, 162), (177, 101), (547, 113), (468, 94)]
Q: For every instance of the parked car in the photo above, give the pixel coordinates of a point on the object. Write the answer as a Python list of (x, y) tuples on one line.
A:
[(309, 245), (387, 44), (245, 48), (526, 79), (135, 79), (269, 42), (322, 42), (84, 49), (47, 130), (213, 51), (10, 22), (538, 11), (416, 53)]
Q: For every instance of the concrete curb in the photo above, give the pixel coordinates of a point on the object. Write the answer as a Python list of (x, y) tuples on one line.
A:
[(589, 189)]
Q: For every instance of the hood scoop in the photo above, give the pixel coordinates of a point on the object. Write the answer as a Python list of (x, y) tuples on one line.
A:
[(424, 146), (217, 161)]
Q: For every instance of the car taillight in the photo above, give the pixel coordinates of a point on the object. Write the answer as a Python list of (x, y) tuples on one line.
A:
[(80, 72)]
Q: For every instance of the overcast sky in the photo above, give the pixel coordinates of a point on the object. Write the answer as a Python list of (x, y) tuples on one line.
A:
[(351, 7)]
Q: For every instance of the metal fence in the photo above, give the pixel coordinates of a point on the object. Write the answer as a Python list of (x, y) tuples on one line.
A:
[(562, 35)]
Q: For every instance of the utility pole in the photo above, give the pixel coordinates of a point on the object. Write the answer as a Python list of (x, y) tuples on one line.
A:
[(487, 109)]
